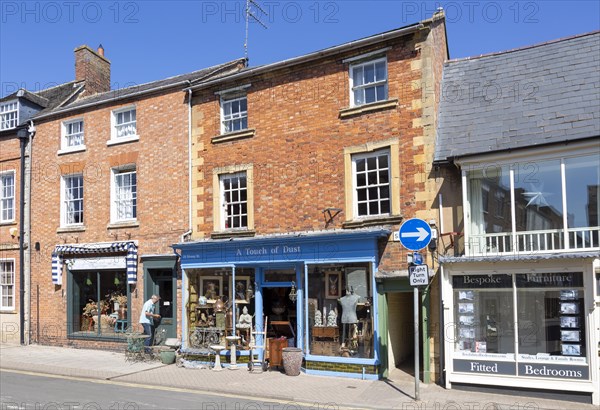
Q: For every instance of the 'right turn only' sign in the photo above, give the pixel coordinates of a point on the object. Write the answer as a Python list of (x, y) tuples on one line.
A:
[(418, 275)]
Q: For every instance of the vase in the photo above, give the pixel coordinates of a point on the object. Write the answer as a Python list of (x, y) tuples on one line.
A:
[(292, 360)]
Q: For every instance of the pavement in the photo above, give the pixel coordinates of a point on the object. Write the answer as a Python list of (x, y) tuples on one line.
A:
[(317, 392)]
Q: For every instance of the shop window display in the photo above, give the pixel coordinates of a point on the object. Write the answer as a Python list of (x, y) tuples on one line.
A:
[(549, 313), (99, 300), (339, 310), (210, 306)]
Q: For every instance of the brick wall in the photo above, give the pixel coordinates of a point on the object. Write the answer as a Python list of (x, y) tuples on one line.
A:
[(161, 161)]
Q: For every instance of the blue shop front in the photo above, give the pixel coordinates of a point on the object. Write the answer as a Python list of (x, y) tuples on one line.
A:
[(314, 291)]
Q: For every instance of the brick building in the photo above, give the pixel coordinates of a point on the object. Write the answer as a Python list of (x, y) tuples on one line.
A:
[(16, 134), (302, 170), (110, 195)]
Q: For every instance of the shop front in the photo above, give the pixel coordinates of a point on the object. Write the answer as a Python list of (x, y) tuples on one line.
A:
[(529, 323), (314, 291)]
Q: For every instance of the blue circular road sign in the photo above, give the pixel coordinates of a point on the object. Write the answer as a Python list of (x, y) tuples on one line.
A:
[(414, 234)]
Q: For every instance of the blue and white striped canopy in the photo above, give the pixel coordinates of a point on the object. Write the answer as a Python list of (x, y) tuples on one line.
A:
[(110, 247)]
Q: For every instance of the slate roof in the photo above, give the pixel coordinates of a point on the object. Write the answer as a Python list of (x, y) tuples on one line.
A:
[(123, 93), (542, 94)]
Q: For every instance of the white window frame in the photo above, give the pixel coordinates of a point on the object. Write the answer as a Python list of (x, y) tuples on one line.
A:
[(9, 115), (473, 241), (65, 135), (363, 87), (239, 116), (223, 203), (114, 138), (64, 211), (355, 200), (115, 202), (8, 198), (3, 285)]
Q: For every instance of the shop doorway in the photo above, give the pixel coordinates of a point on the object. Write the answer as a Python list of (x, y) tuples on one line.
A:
[(163, 283), (280, 312), (401, 345)]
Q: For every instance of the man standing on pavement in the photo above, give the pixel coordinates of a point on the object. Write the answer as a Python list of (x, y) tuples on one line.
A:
[(147, 320)]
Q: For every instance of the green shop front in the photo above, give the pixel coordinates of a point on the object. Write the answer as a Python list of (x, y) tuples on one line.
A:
[(315, 291)]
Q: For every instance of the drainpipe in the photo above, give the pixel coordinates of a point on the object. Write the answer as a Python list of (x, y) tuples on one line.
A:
[(24, 135), (189, 90)]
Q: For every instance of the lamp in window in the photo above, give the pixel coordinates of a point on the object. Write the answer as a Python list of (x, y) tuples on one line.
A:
[(88, 280), (117, 282), (293, 294)]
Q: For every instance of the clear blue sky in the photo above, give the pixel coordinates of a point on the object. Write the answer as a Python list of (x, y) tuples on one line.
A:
[(151, 40)]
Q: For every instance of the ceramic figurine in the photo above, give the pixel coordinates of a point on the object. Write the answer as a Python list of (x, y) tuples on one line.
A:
[(318, 318), (332, 319), (245, 320)]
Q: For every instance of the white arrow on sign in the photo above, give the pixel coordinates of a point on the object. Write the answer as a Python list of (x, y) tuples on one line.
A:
[(420, 235)]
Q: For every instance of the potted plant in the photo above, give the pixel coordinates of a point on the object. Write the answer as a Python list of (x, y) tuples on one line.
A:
[(89, 311)]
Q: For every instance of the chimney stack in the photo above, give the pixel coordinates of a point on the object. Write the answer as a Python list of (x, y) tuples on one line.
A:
[(93, 68)]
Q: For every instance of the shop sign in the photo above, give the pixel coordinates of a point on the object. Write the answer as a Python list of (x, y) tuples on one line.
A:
[(482, 281), (555, 371), (485, 367), (96, 263), (554, 280)]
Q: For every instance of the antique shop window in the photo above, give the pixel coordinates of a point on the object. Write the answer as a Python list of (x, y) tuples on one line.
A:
[(550, 312), (211, 296), (98, 301), (340, 314), (483, 312)]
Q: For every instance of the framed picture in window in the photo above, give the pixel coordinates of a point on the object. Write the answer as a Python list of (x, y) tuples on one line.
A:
[(466, 320), (568, 294), (465, 295), (333, 285), (569, 308), (570, 335), (466, 333), (240, 288), (571, 350), (465, 308), (571, 322), (211, 287)]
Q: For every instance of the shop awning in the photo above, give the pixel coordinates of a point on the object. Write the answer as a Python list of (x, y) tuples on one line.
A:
[(94, 248)]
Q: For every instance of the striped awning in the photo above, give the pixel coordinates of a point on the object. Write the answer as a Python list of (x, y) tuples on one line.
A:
[(91, 248)]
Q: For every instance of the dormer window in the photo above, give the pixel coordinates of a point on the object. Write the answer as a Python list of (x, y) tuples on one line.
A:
[(9, 115)]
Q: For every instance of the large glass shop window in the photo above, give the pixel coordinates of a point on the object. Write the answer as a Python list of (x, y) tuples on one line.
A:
[(99, 300), (483, 311), (550, 313), (340, 312), (211, 298)]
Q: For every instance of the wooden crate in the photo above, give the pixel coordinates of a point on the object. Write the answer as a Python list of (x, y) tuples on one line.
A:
[(331, 332), (325, 348)]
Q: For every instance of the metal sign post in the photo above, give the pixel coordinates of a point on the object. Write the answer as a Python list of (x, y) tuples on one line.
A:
[(415, 234), (416, 326)]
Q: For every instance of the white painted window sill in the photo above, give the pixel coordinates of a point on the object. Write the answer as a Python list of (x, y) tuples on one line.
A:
[(123, 140)]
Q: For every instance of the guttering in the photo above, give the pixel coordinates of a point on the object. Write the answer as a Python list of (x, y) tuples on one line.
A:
[(119, 95), (315, 55)]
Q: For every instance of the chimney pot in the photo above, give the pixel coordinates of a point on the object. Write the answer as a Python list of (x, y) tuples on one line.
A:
[(101, 50)]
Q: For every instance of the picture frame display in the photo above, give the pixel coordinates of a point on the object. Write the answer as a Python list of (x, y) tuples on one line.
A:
[(242, 284), (569, 294), (465, 295), (211, 287), (571, 350), (465, 308), (333, 285), (570, 335), (570, 322), (569, 308), (466, 320)]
